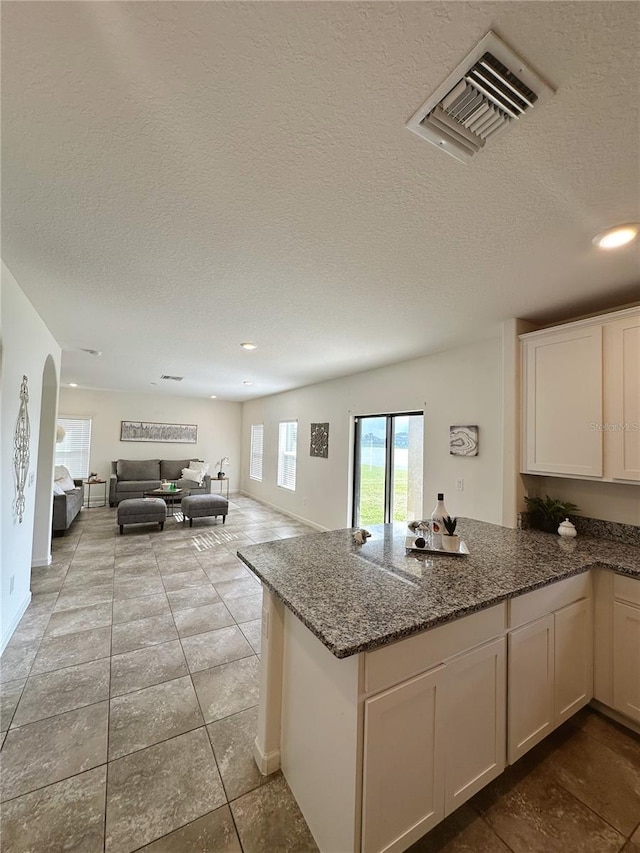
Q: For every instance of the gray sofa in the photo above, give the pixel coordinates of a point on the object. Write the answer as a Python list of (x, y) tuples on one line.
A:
[(131, 478), (66, 507)]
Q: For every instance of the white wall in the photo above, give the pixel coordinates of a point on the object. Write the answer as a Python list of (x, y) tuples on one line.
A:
[(462, 386), (26, 344), (218, 427)]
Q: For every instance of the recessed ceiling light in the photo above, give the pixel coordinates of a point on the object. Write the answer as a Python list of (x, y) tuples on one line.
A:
[(247, 382), (73, 385), (213, 397), (614, 238), (249, 345)]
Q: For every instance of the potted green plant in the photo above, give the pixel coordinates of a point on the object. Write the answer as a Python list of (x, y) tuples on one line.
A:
[(547, 513), (450, 539)]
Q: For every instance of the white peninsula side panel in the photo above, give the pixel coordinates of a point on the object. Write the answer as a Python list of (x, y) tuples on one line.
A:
[(321, 736)]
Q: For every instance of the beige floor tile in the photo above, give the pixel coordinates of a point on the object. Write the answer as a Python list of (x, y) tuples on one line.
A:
[(248, 608), (253, 632), (636, 836), (79, 619), (184, 580), (618, 738), (62, 690), (159, 789), (172, 565), (199, 620), (226, 572), (84, 597), (228, 689), (540, 816), (215, 647), (136, 587), (132, 609), (157, 713), (144, 667), (239, 588), (17, 660), (213, 833), (193, 596), (67, 815), (10, 692), (269, 819), (129, 636), (604, 780), (232, 739), (53, 749), (465, 831), (71, 649)]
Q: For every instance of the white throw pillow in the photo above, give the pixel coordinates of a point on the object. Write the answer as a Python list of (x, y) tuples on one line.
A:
[(199, 466), (57, 489), (193, 476), (61, 472), (65, 483)]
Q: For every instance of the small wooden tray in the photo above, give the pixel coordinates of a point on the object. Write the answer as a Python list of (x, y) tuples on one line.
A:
[(409, 544)]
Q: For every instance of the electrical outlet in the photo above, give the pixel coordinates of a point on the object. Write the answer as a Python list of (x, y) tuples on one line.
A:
[(460, 485), (12, 583)]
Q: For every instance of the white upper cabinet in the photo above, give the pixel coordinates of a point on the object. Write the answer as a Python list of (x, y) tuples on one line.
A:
[(581, 399), (622, 398)]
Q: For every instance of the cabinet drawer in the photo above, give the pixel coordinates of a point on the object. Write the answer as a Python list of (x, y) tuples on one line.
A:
[(626, 589), (532, 605), (398, 661)]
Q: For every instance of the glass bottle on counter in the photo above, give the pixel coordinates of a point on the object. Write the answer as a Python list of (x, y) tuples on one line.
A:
[(437, 516)]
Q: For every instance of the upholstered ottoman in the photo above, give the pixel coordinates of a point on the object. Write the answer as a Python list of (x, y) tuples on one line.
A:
[(141, 511), (203, 506)]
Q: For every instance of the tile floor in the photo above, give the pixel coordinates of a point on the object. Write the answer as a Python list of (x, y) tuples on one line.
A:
[(128, 710)]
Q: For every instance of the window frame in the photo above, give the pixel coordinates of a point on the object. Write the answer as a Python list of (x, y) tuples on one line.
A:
[(83, 450), (288, 455), (256, 458)]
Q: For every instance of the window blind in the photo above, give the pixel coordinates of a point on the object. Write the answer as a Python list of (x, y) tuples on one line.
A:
[(73, 451), (256, 452), (287, 442)]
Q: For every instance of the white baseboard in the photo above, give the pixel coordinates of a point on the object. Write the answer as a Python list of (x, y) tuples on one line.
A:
[(268, 762), (295, 517), (615, 715), (14, 622), (38, 563)]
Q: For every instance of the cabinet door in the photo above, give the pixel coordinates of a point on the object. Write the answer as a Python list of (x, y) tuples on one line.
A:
[(626, 659), (403, 770), (476, 722), (622, 357), (530, 680), (563, 402), (573, 665)]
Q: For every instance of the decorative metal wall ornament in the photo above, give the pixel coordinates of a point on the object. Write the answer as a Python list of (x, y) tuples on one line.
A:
[(463, 440), (21, 449), (319, 440)]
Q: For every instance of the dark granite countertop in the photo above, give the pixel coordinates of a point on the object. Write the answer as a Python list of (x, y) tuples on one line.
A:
[(355, 598)]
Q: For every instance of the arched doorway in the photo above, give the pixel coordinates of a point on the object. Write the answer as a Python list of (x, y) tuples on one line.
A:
[(41, 550)]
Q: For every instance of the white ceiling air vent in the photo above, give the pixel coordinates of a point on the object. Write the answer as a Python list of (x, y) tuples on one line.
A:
[(491, 88), (172, 378)]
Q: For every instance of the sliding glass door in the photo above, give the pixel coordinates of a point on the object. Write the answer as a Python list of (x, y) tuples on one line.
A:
[(387, 483)]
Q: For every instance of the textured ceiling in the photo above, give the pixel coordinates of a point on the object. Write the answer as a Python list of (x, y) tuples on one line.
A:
[(181, 177)]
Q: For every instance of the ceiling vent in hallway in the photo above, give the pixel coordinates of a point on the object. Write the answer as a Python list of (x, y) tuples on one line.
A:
[(172, 378), (490, 89)]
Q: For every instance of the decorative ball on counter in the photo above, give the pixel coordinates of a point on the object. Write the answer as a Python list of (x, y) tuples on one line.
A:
[(420, 542), (360, 536)]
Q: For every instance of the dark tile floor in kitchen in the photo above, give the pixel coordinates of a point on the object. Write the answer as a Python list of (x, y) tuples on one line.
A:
[(129, 694)]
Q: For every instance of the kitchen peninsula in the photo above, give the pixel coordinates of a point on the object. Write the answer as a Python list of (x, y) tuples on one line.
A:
[(385, 675)]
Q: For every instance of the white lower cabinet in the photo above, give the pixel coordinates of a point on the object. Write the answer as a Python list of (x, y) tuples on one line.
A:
[(403, 768), (550, 674), (626, 657), (530, 679), (430, 743)]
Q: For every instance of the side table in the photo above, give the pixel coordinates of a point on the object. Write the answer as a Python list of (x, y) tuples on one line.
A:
[(89, 484), (221, 480)]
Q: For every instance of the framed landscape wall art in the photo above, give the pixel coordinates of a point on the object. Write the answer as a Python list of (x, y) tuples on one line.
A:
[(463, 441), (167, 433)]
